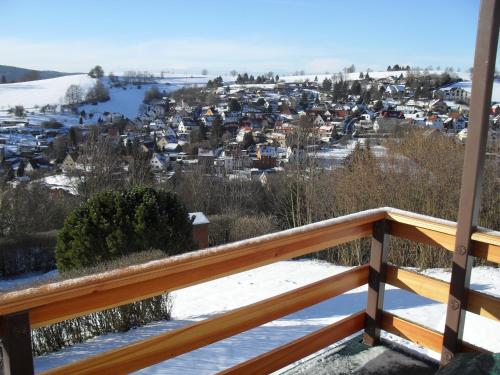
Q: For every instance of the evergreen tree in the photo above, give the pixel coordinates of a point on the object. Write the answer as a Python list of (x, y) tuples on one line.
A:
[(327, 84), (234, 105), (356, 88), (96, 72), (4, 80), (360, 75)]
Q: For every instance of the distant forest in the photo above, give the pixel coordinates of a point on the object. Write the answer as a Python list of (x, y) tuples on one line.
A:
[(11, 74)]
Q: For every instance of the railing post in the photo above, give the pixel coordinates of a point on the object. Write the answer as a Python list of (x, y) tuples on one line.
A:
[(15, 334), (376, 282), (484, 65)]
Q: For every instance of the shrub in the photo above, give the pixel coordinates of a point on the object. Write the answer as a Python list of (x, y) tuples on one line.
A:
[(118, 319), (116, 223)]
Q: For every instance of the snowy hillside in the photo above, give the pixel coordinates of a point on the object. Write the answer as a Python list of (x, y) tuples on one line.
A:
[(124, 101), (202, 301), (42, 92)]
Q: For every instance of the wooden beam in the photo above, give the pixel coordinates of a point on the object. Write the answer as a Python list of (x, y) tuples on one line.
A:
[(56, 302), (300, 348), (15, 336), (159, 348), (413, 332), (422, 285), (376, 282), (428, 338), (472, 175), (437, 290), (483, 245)]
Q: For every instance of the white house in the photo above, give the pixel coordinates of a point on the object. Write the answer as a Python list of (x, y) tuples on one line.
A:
[(318, 121), (159, 162)]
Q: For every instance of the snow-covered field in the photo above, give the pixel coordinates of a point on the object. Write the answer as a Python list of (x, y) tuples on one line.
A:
[(42, 92), (52, 91), (201, 301)]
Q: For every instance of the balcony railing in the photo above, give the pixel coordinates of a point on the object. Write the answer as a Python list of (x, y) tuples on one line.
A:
[(37, 307)]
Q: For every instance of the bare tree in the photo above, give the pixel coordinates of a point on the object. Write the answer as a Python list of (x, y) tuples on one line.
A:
[(74, 95)]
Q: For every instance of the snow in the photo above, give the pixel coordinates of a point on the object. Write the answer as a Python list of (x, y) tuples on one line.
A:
[(26, 280), (41, 92), (208, 299), (61, 181), (52, 91)]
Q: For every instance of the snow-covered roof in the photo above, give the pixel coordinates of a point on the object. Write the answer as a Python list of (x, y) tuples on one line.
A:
[(199, 218)]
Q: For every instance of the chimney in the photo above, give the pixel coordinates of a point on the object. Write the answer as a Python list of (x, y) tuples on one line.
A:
[(200, 229)]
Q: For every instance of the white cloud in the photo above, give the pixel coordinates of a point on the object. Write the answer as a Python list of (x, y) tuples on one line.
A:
[(179, 54)]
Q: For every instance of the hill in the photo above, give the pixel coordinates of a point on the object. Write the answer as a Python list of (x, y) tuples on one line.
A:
[(15, 74)]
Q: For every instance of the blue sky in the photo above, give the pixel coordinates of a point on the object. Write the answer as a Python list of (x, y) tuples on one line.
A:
[(252, 35)]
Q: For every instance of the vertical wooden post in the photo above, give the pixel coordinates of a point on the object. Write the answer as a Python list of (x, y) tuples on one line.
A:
[(376, 283), (15, 334), (484, 65)]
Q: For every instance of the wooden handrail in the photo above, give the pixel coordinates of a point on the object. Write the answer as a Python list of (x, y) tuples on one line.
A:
[(300, 348), (147, 352), (485, 246), (67, 299), (56, 302), (437, 290)]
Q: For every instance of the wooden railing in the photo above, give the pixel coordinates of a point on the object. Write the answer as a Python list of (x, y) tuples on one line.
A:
[(37, 307)]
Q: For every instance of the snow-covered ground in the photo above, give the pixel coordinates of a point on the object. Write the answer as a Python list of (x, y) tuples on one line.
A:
[(201, 301), (52, 91), (42, 92)]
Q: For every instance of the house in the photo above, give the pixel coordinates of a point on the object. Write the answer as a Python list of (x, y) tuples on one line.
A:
[(439, 106), (394, 90), (162, 143), (176, 120), (454, 93), (241, 133), (319, 121), (70, 162), (434, 122), (159, 162), (206, 158), (186, 125)]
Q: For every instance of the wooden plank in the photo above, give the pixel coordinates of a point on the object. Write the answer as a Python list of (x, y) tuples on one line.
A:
[(488, 251), (55, 302), (437, 290), (423, 235), (300, 348), (422, 222), (159, 348), (484, 304), (483, 246), (421, 335), (422, 285), (376, 282), (413, 332)]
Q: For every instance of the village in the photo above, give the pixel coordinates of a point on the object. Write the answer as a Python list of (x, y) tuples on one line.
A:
[(236, 127)]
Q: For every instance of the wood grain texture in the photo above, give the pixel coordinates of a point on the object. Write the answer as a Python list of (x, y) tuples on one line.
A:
[(52, 303), (413, 332), (422, 285), (437, 290), (159, 348), (421, 335), (300, 348), (483, 245)]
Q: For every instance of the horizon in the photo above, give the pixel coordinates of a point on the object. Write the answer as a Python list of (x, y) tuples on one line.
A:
[(283, 36)]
